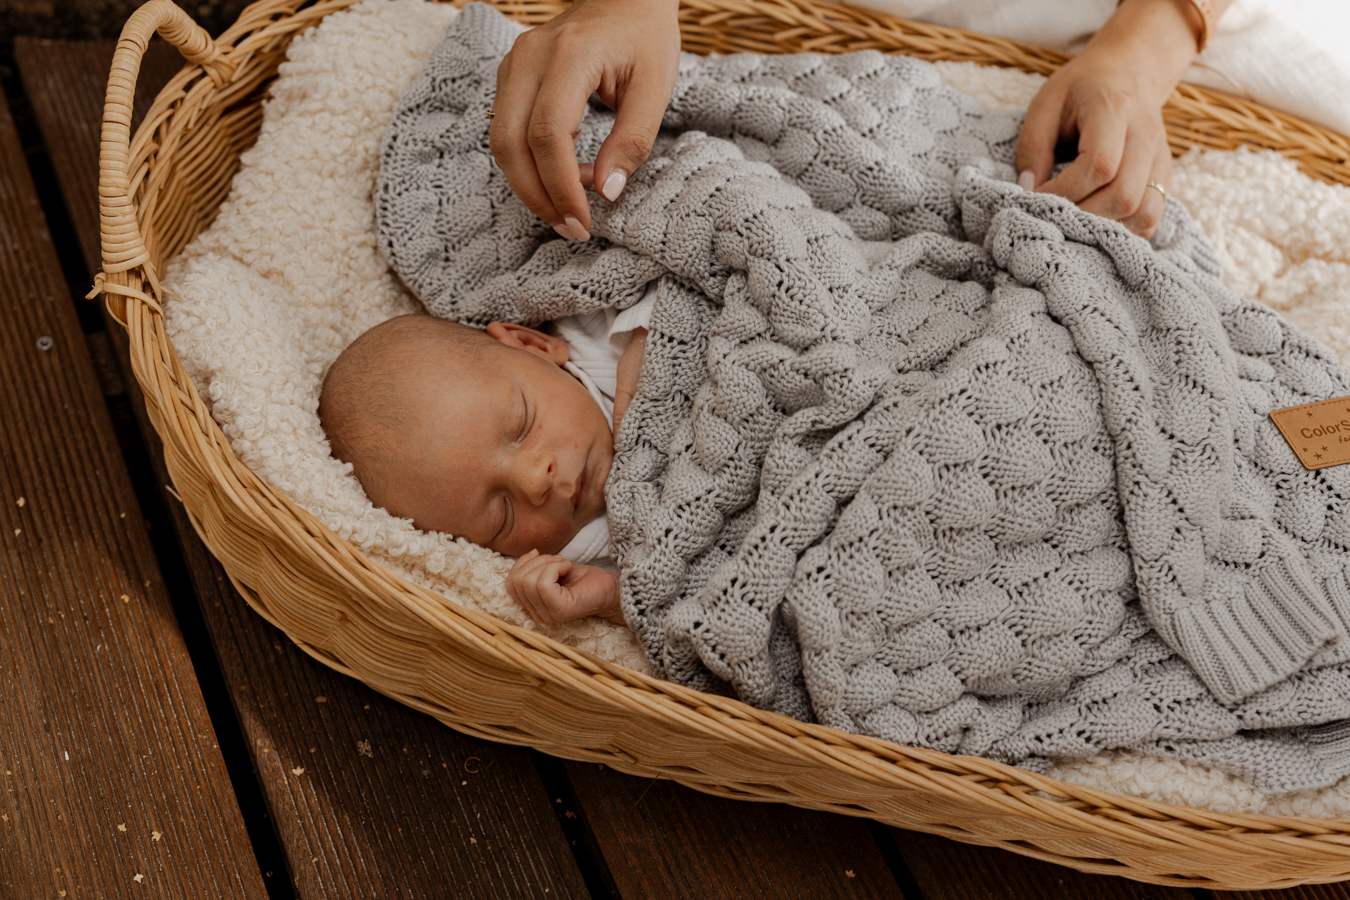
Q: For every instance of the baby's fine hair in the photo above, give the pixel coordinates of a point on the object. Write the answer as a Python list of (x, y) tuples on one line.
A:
[(363, 406)]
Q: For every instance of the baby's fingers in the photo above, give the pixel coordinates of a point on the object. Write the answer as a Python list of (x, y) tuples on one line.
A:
[(518, 579), (531, 583), (521, 564), (555, 600)]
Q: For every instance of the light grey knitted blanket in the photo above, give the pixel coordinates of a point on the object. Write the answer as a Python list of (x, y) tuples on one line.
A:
[(916, 453)]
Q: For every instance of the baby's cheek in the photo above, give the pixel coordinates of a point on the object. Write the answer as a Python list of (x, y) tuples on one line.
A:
[(544, 533)]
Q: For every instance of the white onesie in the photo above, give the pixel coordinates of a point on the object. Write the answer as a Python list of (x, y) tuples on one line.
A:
[(597, 340)]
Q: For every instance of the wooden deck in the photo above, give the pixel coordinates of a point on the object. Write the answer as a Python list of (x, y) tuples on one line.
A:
[(158, 739)]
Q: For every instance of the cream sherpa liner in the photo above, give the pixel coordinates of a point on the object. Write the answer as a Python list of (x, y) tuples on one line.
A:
[(289, 274)]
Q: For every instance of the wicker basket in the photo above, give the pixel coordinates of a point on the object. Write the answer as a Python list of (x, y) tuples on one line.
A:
[(490, 679)]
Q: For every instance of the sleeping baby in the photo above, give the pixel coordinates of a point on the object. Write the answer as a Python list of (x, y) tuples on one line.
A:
[(513, 457)]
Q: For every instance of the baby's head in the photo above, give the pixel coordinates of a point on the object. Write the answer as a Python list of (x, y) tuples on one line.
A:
[(481, 434)]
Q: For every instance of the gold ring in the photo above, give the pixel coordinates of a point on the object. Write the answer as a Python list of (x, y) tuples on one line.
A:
[(490, 114), (1159, 188)]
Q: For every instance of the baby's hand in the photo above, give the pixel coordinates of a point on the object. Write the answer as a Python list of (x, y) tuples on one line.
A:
[(555, 590)]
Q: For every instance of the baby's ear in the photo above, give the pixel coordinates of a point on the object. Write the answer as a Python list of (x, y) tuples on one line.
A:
[(550, 347)]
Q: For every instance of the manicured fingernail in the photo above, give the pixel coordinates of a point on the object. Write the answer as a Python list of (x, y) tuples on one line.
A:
[(572, 230), (1027, 180), (613, 185)]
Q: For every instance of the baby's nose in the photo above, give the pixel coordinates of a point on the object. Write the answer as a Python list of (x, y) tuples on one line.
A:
[(537, 479)]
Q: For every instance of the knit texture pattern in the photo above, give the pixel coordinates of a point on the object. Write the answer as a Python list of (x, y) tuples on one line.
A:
[(916, 453)]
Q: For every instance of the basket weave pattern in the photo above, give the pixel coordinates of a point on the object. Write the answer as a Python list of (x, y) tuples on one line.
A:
[(482, 676)]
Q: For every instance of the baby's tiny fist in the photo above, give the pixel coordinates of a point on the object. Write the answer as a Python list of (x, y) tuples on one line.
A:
[(555, 590)]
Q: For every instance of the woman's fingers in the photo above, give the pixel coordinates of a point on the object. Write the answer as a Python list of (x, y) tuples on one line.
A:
[(635, 127), (1039, 134), (1145, 220), (518, 79), (1111, 95), (551, 135), (627, 51), (1121, 197), (1101, 144), (586, 171)]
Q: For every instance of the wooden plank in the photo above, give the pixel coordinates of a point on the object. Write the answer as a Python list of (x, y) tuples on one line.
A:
[(661, 839), (365, 793), (948, 870), (111, 780), (102, 18)]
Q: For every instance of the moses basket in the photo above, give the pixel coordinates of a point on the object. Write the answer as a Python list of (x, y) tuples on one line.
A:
[(482, 676)]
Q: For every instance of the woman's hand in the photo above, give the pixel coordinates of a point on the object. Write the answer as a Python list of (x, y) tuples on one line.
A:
[(627, 51), (1111, 97), (555, 590)]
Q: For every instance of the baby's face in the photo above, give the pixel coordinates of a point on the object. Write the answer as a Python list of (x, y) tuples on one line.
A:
[(515, 451)]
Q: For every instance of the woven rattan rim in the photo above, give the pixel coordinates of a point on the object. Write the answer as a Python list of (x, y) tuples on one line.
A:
[(495, 680)]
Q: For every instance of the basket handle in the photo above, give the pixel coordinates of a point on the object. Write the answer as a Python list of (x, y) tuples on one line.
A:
[(122, 245)]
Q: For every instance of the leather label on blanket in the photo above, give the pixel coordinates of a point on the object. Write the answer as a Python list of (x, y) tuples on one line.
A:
[(1318, 433)]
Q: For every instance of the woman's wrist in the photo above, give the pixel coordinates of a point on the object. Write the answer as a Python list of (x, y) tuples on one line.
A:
[(1155, 39)]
